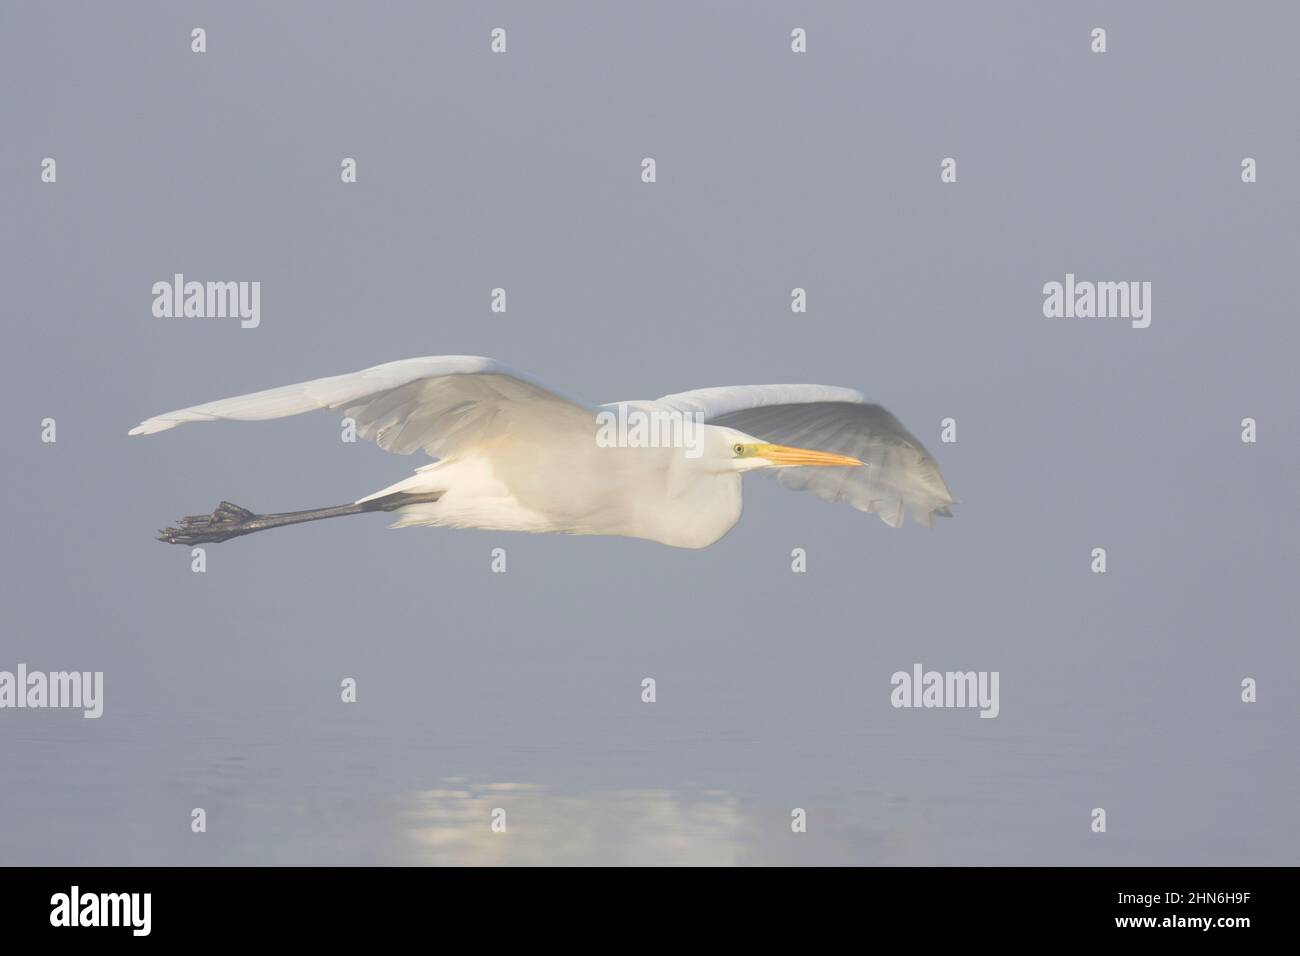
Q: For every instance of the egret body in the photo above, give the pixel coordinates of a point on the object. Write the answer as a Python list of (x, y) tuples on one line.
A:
[(514, 455)]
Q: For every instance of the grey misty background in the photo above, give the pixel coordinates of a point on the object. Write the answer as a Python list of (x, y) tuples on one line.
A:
[(522, 690)]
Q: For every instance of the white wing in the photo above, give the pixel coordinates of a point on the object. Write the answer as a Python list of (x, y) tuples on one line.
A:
[(440, 403), (900, 476)]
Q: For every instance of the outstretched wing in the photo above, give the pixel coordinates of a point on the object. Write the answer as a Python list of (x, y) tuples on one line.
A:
[(900, 475), (440, 403)]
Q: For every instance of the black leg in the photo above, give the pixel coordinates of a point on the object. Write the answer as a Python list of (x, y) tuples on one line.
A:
[(231, 521)]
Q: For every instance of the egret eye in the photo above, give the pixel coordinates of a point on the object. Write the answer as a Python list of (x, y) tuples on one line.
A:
[(739, 450)]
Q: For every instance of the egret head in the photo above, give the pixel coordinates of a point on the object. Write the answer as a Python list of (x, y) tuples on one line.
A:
[(745, 452)]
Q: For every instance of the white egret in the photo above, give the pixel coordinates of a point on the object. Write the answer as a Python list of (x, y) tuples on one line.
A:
[(515, 455)]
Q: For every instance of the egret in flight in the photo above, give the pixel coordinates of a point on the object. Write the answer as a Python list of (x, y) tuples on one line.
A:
[(515, 455)]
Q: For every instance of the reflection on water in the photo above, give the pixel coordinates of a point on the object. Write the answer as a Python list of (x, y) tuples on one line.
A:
[(452, 826)]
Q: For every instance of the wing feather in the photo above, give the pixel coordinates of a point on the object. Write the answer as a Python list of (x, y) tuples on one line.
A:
[(438, 403), (900, 476)]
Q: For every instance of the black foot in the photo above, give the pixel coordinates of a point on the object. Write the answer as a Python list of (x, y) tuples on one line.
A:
[(224, 523)]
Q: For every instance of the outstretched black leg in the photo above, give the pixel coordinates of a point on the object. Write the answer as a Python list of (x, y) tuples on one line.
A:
[(231, 521)]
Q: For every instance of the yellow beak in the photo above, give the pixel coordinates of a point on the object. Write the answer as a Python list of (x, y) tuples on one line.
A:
[(785, 455)]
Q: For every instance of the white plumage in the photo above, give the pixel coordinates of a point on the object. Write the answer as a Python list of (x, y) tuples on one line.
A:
[(515, 455)]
